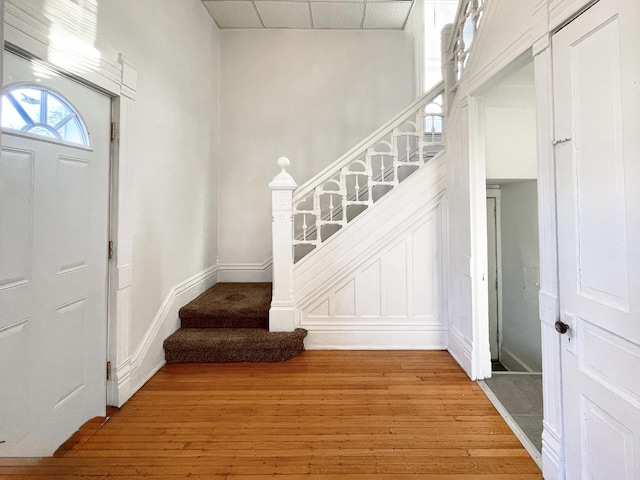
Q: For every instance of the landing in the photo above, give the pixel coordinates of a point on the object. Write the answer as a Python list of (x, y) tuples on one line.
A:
[(229, 305)]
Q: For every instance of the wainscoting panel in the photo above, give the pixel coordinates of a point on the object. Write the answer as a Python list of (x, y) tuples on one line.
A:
[(389, 295)]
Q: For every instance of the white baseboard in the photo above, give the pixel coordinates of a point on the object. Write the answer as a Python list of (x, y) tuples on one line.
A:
[(246, 272), (552, 464), (461, 350), (148, 358), (512, 362), (376, 340)]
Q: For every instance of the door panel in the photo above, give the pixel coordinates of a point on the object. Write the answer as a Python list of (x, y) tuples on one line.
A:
[(54, 199), (597, 113)]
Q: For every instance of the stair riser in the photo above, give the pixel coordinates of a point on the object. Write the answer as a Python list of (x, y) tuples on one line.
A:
[(225, 322)]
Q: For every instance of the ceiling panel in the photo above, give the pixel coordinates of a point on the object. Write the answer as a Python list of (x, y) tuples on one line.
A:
[(325, 14), (234, 14), (284, 14), (337, 15), (386, 14)]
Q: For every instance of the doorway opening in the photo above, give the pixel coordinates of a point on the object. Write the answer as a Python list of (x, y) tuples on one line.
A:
[(508, 129)]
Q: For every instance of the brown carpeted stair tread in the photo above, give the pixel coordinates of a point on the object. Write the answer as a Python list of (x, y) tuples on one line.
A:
[(223, 345), (229, 305)]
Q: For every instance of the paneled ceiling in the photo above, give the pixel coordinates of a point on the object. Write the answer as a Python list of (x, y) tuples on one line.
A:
[(318, 14)]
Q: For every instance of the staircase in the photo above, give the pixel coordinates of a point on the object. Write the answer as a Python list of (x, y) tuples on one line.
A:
[(359, 249), (229, 323)]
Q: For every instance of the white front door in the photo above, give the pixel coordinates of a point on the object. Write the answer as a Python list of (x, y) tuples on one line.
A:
[(54, 205), (596, 61)]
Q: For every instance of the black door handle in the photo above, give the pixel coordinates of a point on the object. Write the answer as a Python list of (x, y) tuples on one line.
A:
[(561, 327)]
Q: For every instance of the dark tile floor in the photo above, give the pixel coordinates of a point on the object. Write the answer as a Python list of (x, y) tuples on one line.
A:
[(521, 395)]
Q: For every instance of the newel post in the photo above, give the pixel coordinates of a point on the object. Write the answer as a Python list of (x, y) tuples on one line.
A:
[(281, 314)]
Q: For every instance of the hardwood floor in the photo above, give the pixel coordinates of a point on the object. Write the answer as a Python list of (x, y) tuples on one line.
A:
[(323, 415)]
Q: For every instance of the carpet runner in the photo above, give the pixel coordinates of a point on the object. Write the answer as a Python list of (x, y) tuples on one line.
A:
[(229, 323)]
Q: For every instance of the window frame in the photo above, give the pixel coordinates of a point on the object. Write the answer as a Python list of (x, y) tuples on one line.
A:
[(74, 116)]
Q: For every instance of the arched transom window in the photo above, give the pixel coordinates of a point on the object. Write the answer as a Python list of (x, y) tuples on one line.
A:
[(39, 111)]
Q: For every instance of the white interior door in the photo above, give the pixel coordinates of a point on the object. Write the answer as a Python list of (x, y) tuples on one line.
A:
[(492, 277), (54, 198), (596, 60)]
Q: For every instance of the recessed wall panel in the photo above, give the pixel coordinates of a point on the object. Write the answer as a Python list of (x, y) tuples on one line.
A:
[(73, 210), (396, 285), (424, 250), (346, 300), (368, 295), (16, 217)]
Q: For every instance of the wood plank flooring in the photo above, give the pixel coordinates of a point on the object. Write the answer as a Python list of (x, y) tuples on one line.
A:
[(323, 415)]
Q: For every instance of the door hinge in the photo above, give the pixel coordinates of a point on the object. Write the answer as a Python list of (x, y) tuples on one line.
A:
[(110, 249), (108, 370), (562, 140), (113, 130)]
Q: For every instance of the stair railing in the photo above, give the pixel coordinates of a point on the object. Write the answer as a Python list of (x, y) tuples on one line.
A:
[(463, 32), (331, 199), (306, 218)]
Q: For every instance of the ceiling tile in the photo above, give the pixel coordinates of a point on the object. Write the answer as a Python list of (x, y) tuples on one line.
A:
[(284, 14), (337, 15), (386, 14), (234, 14)]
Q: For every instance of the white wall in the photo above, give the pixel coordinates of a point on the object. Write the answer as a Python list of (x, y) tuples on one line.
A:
[(174, 134), (165, 197), (510, 128), (425, 23), (309, 95), (520, 276)]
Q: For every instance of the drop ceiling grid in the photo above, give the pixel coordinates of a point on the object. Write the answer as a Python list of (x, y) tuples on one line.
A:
[(310, 14)]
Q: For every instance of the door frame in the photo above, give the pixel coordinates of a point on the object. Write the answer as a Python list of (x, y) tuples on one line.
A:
[(540, 52), (493, 191), (25, 30)]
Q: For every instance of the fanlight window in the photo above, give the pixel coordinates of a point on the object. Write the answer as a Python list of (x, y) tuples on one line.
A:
[(36, 110)]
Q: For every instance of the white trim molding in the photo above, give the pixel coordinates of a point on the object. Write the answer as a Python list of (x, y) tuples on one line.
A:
[(379, 283), (28, 30), (133, 372), (246, 272), (461, 349)]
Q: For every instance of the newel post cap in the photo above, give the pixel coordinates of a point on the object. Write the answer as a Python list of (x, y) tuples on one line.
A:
[(283, 181)]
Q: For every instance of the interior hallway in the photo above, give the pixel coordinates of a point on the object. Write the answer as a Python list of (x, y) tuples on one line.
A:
[(323, 415)]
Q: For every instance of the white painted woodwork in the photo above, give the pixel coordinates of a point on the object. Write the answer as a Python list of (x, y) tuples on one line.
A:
[(465, 28), (492, 276), (596, 72), (552, 435), (170, 202), (281, 313), (54, 207), (379, 283), (500, 47), (367, 172)]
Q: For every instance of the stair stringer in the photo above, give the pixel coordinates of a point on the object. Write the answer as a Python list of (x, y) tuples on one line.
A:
[(379, 283)]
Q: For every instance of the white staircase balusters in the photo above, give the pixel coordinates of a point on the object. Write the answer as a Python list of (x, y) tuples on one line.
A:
[(464, 31), (367, 172)]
